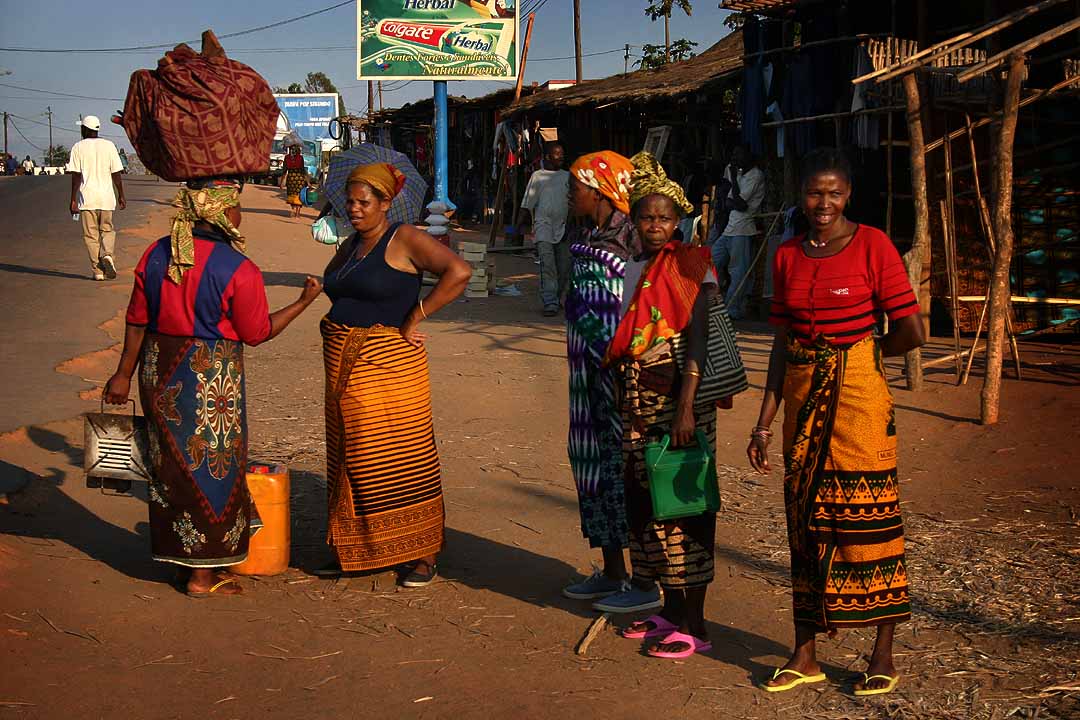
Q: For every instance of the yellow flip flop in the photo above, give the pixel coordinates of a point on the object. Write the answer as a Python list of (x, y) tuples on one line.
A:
[(877, 691), (800, 679)]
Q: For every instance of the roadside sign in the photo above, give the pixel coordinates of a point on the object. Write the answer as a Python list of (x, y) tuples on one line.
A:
[(436, 39), (309, 114)]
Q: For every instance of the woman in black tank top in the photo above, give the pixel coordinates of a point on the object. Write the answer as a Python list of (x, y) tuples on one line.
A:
[(386, 506)]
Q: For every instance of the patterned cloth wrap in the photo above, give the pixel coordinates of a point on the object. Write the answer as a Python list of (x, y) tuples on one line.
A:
[(206, 201), (200, 115), (608, 173), (662, 302), (386, 179)]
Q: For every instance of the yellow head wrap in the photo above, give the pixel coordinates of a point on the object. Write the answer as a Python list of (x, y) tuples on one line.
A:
[(206, 203), (384, 177), (649, 178)]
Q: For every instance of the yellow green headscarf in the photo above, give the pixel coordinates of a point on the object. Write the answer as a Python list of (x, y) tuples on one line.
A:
[(209, 204), (649, 178)]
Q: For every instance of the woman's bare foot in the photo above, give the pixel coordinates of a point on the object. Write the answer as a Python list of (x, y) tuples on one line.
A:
[(803, 659)]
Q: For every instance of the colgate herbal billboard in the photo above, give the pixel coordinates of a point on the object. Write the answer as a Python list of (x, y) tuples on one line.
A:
[(437, 39)]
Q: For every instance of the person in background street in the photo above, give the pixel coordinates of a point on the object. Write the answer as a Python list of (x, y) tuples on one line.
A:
[(382, 465), (669, 290), (546, 200), (600, 195), (10, 164), (295, 178), (731, 251), (28, 166), (840, 482), (96, 191), (196, 302)]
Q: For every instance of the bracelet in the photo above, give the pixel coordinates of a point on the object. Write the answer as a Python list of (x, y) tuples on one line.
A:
[(692, 373), (762, 428), (422, 312)]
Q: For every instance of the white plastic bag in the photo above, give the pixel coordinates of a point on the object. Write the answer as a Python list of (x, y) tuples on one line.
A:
[(324, 230)]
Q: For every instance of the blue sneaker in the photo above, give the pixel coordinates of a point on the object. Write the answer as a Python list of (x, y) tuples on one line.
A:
[(595, 586), (630, 599)]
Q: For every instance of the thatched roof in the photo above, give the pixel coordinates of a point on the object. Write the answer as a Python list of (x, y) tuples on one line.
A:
[(682, 78)]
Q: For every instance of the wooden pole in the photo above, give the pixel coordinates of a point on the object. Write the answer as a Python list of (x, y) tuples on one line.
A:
[(370, 98), (1003, 231), (889, 172), (577, 41), (954, 304), (913, 259), (524, 57)]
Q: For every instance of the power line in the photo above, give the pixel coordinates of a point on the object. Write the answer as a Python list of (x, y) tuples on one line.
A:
[(135, 48), (64, 129), (51, 92), (24, 137)]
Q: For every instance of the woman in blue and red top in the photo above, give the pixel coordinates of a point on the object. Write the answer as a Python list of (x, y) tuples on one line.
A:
[(197, 301), (840, 484)]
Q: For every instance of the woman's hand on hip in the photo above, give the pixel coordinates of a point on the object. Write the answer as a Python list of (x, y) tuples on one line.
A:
[(410, 332), (682, 429), (312, 289), (117, 390), (758, 452)]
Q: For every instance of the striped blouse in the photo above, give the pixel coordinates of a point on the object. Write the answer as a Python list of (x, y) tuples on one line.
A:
[(843, 295)]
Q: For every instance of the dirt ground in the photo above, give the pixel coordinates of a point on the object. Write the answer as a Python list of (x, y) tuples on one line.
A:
[(91, 627)]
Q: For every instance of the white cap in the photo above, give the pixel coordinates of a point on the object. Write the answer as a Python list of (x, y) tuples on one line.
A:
[(90, 122)]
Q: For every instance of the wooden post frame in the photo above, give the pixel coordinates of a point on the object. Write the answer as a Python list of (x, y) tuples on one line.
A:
[(990, 398), (913, 259)]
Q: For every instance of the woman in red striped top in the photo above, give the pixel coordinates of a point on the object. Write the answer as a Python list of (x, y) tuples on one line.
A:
[(840, 485)]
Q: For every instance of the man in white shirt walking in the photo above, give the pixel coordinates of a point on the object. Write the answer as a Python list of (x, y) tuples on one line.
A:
[(96, 191), (731, 251), (546, 200)]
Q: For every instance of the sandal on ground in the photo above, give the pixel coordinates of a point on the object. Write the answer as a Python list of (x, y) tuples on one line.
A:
[(877, 691), (798, 680), (661, 626), (214, 589), (417, 579), (331, 570), (693, 645)]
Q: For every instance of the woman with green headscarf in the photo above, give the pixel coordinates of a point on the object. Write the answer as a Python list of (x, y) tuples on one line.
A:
[(197, 301)]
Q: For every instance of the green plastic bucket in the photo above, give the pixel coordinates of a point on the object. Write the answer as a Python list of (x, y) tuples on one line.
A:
[(682, 481)]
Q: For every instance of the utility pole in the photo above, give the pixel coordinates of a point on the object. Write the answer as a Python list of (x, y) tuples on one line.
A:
[(380, 96), (370, 98), (48, 111), (626, 60), (577, 38), (5, 136)]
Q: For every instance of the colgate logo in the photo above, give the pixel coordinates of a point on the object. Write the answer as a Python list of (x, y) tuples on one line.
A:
[(413, 32)]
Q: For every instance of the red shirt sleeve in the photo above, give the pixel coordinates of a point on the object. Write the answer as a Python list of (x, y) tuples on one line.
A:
[(889, 281), (138, 312), (247, 306), (778, 310)]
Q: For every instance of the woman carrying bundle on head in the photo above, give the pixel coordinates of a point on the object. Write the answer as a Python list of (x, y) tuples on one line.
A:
[(197, 301), (840, 484)]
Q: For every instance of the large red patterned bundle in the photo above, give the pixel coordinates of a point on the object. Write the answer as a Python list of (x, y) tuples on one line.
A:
[(200, 115)]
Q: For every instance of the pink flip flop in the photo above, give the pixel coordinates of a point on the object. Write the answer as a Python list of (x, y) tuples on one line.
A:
[(662, 627), (696, 646)]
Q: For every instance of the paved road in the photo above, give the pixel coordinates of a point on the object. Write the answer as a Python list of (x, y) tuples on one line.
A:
[(44, 277)]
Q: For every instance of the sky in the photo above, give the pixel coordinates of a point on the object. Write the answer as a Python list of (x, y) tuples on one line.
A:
[(325, 42)]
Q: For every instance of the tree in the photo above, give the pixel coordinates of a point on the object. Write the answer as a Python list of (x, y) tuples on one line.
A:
[(56, 155), (662, 9), (652, 56), (735, 21)]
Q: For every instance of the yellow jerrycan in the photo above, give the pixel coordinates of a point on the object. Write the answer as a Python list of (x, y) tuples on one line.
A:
[(268, 551)]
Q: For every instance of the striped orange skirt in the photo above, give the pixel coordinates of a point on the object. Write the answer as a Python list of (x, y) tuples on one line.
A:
[(382, 467)]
